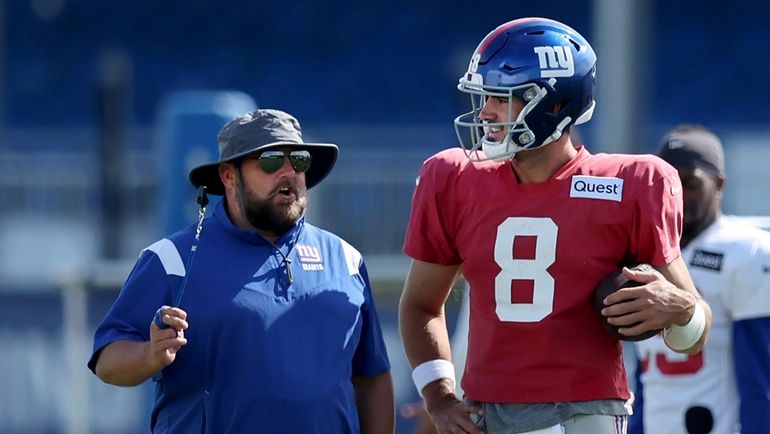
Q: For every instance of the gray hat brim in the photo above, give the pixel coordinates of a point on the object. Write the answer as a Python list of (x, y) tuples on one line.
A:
[(324, 157)]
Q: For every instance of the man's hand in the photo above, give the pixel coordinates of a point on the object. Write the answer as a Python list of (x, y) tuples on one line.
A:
[(448, 414), (165, 343), (656, 304), (130, 363)]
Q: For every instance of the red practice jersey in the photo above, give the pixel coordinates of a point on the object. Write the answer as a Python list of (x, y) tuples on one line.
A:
[(533, 255)]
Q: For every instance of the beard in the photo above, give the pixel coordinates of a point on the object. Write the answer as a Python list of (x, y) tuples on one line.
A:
[(273, 214)]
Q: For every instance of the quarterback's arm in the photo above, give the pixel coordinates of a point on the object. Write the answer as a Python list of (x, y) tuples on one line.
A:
[(751, 355), (422, 318), (424, 334), (677, 273), (666, 298), (374, 400)]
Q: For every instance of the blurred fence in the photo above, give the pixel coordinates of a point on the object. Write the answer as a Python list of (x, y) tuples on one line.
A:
[(53, 197)]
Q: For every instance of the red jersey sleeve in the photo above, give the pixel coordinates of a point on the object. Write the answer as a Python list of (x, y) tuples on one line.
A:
[(428, 234), (658, 214)]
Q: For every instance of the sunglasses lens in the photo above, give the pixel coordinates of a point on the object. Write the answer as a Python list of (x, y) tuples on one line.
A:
[(271, 161), (300, 160)]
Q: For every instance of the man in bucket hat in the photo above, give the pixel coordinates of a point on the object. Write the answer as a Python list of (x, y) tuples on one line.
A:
[(273, 327)]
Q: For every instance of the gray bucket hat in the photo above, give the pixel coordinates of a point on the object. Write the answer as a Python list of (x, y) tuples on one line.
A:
[(259, 130)]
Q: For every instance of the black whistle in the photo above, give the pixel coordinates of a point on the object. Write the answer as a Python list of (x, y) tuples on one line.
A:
[(203, 200)]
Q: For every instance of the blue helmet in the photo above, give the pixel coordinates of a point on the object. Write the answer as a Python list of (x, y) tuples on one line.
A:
[(548, 66)]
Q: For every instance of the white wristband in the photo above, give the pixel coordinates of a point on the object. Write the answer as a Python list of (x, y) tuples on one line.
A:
[(683, 337), (431, 371)]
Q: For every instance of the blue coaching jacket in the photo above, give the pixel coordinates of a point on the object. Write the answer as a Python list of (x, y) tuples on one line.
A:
[(263, 355)]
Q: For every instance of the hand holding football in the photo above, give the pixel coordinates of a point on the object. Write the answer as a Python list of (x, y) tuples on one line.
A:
[(610, 284)]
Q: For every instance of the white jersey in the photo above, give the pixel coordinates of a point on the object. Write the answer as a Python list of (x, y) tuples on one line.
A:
[(730, 265)]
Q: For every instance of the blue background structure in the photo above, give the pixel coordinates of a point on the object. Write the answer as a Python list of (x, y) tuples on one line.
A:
[(104, 107)]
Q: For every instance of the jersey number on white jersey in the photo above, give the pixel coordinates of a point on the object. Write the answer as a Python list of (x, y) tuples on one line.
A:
[(544, 230), (675, 364)]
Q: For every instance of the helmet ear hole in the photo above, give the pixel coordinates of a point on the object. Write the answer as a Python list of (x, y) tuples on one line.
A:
[(556, 108)]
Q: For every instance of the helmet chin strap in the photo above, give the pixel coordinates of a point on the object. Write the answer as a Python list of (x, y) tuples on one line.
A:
[(499, 151)]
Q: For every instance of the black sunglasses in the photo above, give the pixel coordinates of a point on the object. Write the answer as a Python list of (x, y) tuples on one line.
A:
[(271, 161)]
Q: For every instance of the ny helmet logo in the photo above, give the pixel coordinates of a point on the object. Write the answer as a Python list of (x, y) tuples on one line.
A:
[(555, 61)]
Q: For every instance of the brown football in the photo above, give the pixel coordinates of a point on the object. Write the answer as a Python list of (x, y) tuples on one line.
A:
[(610, 284)]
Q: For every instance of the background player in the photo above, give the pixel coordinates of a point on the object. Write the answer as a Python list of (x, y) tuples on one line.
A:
[(725, 388), (534, 224)]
